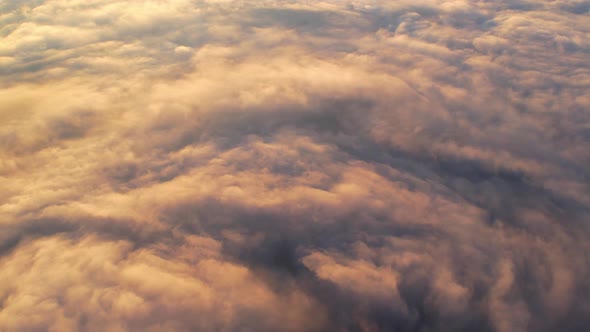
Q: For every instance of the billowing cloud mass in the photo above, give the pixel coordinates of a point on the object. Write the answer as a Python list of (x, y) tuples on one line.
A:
[(275, 165)]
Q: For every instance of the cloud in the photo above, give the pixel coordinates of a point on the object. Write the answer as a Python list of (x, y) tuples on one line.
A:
[(108, 285), (282, 165)]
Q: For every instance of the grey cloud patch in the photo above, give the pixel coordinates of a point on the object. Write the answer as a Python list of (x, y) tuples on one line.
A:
[(291, 18), (285, 165), (576, 7)]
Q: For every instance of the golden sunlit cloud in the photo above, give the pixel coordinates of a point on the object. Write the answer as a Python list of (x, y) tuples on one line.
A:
[(362, 165)]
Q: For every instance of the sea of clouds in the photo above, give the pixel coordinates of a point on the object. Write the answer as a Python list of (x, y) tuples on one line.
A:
[(363, 165)]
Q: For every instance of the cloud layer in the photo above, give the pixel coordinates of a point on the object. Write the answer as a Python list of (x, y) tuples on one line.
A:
[(276, 165)]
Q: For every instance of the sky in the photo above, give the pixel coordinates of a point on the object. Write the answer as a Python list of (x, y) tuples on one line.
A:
[(275, 165)]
